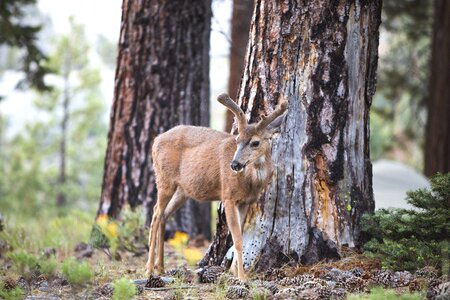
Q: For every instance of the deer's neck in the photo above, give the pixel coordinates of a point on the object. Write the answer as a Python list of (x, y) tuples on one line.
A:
[(258, 174)]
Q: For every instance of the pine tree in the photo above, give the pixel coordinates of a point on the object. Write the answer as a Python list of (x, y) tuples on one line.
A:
[(407, 239)]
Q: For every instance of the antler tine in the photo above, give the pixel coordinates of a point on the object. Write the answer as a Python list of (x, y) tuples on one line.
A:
[(226, 101), (266, 120)]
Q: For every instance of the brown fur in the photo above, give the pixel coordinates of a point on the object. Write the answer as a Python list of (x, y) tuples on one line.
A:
[(194, 162)]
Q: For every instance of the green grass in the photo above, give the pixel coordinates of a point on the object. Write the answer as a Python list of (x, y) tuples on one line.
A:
[(77, 273), (385, 294), (24, 263), (13, 294), (124, 289), (34, 234)]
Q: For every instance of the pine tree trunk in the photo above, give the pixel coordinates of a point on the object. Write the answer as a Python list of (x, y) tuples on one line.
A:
[(437, 147), (162, 80), (322, 57), (240, 25)]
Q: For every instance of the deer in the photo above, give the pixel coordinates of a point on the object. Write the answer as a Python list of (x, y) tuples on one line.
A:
[(207, 165)]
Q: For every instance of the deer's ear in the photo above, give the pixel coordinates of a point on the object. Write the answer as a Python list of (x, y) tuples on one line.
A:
[(275, 125)]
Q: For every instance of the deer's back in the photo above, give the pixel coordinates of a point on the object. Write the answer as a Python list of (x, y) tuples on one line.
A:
[(189, 157)]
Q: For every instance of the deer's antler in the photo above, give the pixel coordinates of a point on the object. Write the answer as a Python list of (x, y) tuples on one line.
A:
[(226, 101), (266, 120)]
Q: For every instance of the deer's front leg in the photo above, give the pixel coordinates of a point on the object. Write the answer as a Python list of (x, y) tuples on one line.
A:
[(233, 222)]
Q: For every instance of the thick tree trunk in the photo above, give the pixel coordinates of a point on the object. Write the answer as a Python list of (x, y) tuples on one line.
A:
[(240, 26), (162, 80), (322, 57), (437, 147)]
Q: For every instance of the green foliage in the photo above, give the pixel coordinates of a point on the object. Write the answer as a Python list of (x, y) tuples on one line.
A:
[(75, 272), (16, 32), (385, 294), (124, 289), (31, 160), (48, 266), (13, 294), (27, 265), (24, 263), (407, 239), (33, 234)]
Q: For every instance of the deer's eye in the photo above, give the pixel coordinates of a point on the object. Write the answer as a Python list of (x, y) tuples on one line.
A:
[(254, 144)]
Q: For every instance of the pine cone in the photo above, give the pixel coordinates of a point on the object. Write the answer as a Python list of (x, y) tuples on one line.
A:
[(400, 279), (383, 278), (333, 275), (324, 292), (154, 281), (313, 284), (287, 293), (210, 274), (260, 293), (237, 292), (338, 294), (271, 286), (309, 294), (427, 272), (274, 274), (358, 272), (353, 283), (9, 284), (417, 284), (183, 274), (105, 290)]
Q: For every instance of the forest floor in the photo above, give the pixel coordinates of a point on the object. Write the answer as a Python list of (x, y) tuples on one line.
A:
[(353, 277)]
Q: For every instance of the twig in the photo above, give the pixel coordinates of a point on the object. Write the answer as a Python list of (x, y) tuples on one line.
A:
[(184, 287)]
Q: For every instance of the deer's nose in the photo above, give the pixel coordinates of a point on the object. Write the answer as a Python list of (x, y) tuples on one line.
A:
[(236, 166)]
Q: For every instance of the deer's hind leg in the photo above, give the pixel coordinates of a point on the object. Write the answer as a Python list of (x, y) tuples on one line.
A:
[(178, 199), (158, 212)]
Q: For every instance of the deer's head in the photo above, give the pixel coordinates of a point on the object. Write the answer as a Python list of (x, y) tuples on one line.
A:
[(253, 140)]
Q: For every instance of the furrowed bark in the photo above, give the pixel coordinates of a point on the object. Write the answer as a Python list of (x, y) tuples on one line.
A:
[(162, 80), (321, 56)]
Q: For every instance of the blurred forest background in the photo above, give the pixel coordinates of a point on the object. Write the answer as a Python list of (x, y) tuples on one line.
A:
[(56, 84)]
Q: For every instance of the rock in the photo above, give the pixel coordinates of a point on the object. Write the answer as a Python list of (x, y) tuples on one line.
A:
[(442, 291)]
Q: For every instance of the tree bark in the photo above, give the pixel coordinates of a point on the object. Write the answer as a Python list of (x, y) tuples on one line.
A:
[(240, 26), (322, 57), (437, 146), (162, 80)]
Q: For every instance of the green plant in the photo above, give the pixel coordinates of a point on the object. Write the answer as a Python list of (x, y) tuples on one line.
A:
[(13, 294), (48, 266), (124, 289), (407, 239), (385, 294), (75, 272), (24, 263)]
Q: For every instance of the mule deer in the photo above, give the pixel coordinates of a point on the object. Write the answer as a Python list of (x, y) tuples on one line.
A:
[(206, 165)]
